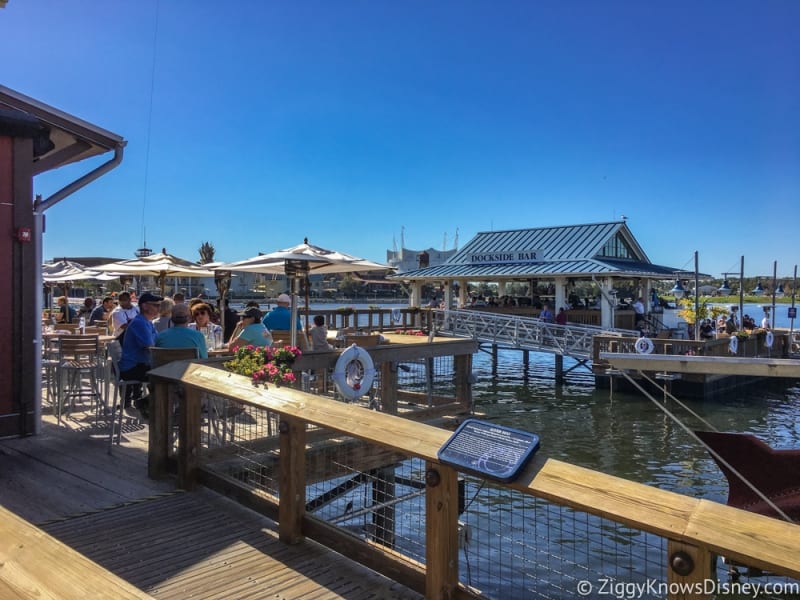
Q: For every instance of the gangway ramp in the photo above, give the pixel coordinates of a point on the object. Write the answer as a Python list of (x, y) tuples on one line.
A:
[(524, 333)]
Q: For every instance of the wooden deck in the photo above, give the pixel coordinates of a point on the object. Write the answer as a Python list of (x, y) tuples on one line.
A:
[(168, 543)]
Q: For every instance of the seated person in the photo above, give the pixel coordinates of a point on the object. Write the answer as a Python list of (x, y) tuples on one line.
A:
[(66, 314), (319, 335), (280, 316), (100, 314), (250, 331), (86, 310), (140, 334), (706, 330), (201, 313), (179, 335), (164, 319)]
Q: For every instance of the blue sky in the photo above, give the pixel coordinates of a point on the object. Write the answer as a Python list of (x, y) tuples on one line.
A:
[(253, 124)]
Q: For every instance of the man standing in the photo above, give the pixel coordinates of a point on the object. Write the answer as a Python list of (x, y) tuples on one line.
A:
[(140, 335), (280, 317), (123, 314)]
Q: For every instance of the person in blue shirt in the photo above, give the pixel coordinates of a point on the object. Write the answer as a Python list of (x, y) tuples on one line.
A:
[(250, 331), (179, 335), (280, 316), (140, 335)]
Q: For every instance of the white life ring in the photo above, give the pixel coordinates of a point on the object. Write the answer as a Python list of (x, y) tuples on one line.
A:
[(733, 345), (770, 339), (354, 372), (644, 345)]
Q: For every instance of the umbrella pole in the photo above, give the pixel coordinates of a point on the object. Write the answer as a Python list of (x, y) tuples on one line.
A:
[(308, 305), (292, 326)]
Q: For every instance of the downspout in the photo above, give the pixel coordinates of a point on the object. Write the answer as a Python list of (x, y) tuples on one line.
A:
[(69, 189), (39, 206)]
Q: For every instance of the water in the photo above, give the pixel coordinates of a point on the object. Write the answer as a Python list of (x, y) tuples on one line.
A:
[(627, 436)]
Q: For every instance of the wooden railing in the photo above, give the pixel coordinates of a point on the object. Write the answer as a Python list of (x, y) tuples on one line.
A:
[(754, 346), (695, 530)]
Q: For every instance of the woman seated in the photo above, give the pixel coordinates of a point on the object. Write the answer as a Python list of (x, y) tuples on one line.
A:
[(201, 313), (250, 331)]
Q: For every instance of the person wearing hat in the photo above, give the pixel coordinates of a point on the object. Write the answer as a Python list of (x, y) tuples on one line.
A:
[(140, 335), (250, 331), (179, 335), (280, 316)]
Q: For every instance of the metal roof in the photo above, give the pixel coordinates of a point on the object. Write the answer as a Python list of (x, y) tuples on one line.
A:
[(565, 251)]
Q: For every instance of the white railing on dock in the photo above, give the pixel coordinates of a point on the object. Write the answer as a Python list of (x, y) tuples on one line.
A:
[(524, 333)]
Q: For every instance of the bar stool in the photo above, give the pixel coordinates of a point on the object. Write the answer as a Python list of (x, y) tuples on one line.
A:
[(78, 356)]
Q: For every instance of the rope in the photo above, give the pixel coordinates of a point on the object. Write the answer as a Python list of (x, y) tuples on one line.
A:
[(149, 122), (710, 450)]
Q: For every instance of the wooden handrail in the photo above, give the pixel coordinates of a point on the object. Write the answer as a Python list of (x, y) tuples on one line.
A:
[(749, 538), (35, 565)]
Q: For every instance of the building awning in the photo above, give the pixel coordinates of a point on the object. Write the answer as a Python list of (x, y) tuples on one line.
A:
[(59, 138)]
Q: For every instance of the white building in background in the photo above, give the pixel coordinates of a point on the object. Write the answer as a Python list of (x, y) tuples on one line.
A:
[(409, 260)]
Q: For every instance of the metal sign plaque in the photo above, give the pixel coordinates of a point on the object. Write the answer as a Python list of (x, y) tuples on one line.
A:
[(792, 312), (488, 450)]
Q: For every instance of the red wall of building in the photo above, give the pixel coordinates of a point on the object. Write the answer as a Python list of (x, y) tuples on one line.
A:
[(6, 278)]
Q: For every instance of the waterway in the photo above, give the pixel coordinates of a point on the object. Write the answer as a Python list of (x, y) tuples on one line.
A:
[(626, 435)]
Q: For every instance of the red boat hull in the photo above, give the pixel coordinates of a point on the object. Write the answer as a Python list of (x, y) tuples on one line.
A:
[(776, 473)]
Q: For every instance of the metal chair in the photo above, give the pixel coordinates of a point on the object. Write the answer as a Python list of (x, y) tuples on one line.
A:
[(78, 356), (114, 349)]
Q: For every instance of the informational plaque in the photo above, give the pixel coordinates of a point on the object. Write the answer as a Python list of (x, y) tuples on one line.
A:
[(489, 450)]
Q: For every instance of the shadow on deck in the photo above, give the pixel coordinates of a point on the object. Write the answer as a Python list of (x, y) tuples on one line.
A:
[(168, 543)]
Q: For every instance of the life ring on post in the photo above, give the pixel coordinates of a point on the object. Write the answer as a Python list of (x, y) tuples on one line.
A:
[(354, 373), (644, 345), (733, 345), (769, 340)]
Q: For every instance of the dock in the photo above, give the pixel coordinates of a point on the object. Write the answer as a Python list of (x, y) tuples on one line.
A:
[(163, 541)]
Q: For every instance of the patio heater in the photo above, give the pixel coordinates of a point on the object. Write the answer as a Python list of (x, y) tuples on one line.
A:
[(295, 270)]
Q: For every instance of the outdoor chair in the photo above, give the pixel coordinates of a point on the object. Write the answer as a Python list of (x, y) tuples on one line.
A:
[(78, 356), (283, 337), (114, 350)]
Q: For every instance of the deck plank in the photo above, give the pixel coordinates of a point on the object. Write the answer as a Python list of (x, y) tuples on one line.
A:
[(235, 553), (165, 542)]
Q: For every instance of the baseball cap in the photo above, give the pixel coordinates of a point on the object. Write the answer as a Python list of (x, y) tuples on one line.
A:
[(149, 297), (252, 312), (284, 299)]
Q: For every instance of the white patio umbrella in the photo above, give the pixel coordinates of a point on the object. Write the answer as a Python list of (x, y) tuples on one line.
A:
[(302, 259), (64, 272), (158, 265)]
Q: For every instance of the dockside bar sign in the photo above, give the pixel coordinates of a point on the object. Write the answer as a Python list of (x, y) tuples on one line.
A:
[(515, 256)]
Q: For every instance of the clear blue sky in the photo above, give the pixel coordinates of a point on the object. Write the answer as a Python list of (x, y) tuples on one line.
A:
[(344, 121)]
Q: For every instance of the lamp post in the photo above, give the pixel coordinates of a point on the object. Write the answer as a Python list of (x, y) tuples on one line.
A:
[(696, 297), (741, 290), (774, 282), (793, 310)]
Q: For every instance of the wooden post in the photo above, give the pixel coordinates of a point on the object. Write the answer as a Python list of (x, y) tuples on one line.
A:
[(158, 451), (526, 361), (292, 481), (494, 359), (189, 438), (383, 492), (689, 566), (559, 368), (389, 387), (441, 532), (462, 366)]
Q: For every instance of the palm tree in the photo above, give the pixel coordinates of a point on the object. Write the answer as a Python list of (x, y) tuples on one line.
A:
[(206, 253)]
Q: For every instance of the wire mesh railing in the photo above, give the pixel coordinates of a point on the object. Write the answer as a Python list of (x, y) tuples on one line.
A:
[(374, 484)]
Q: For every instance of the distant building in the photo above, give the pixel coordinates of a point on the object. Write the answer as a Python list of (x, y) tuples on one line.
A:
[(408, 260)]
